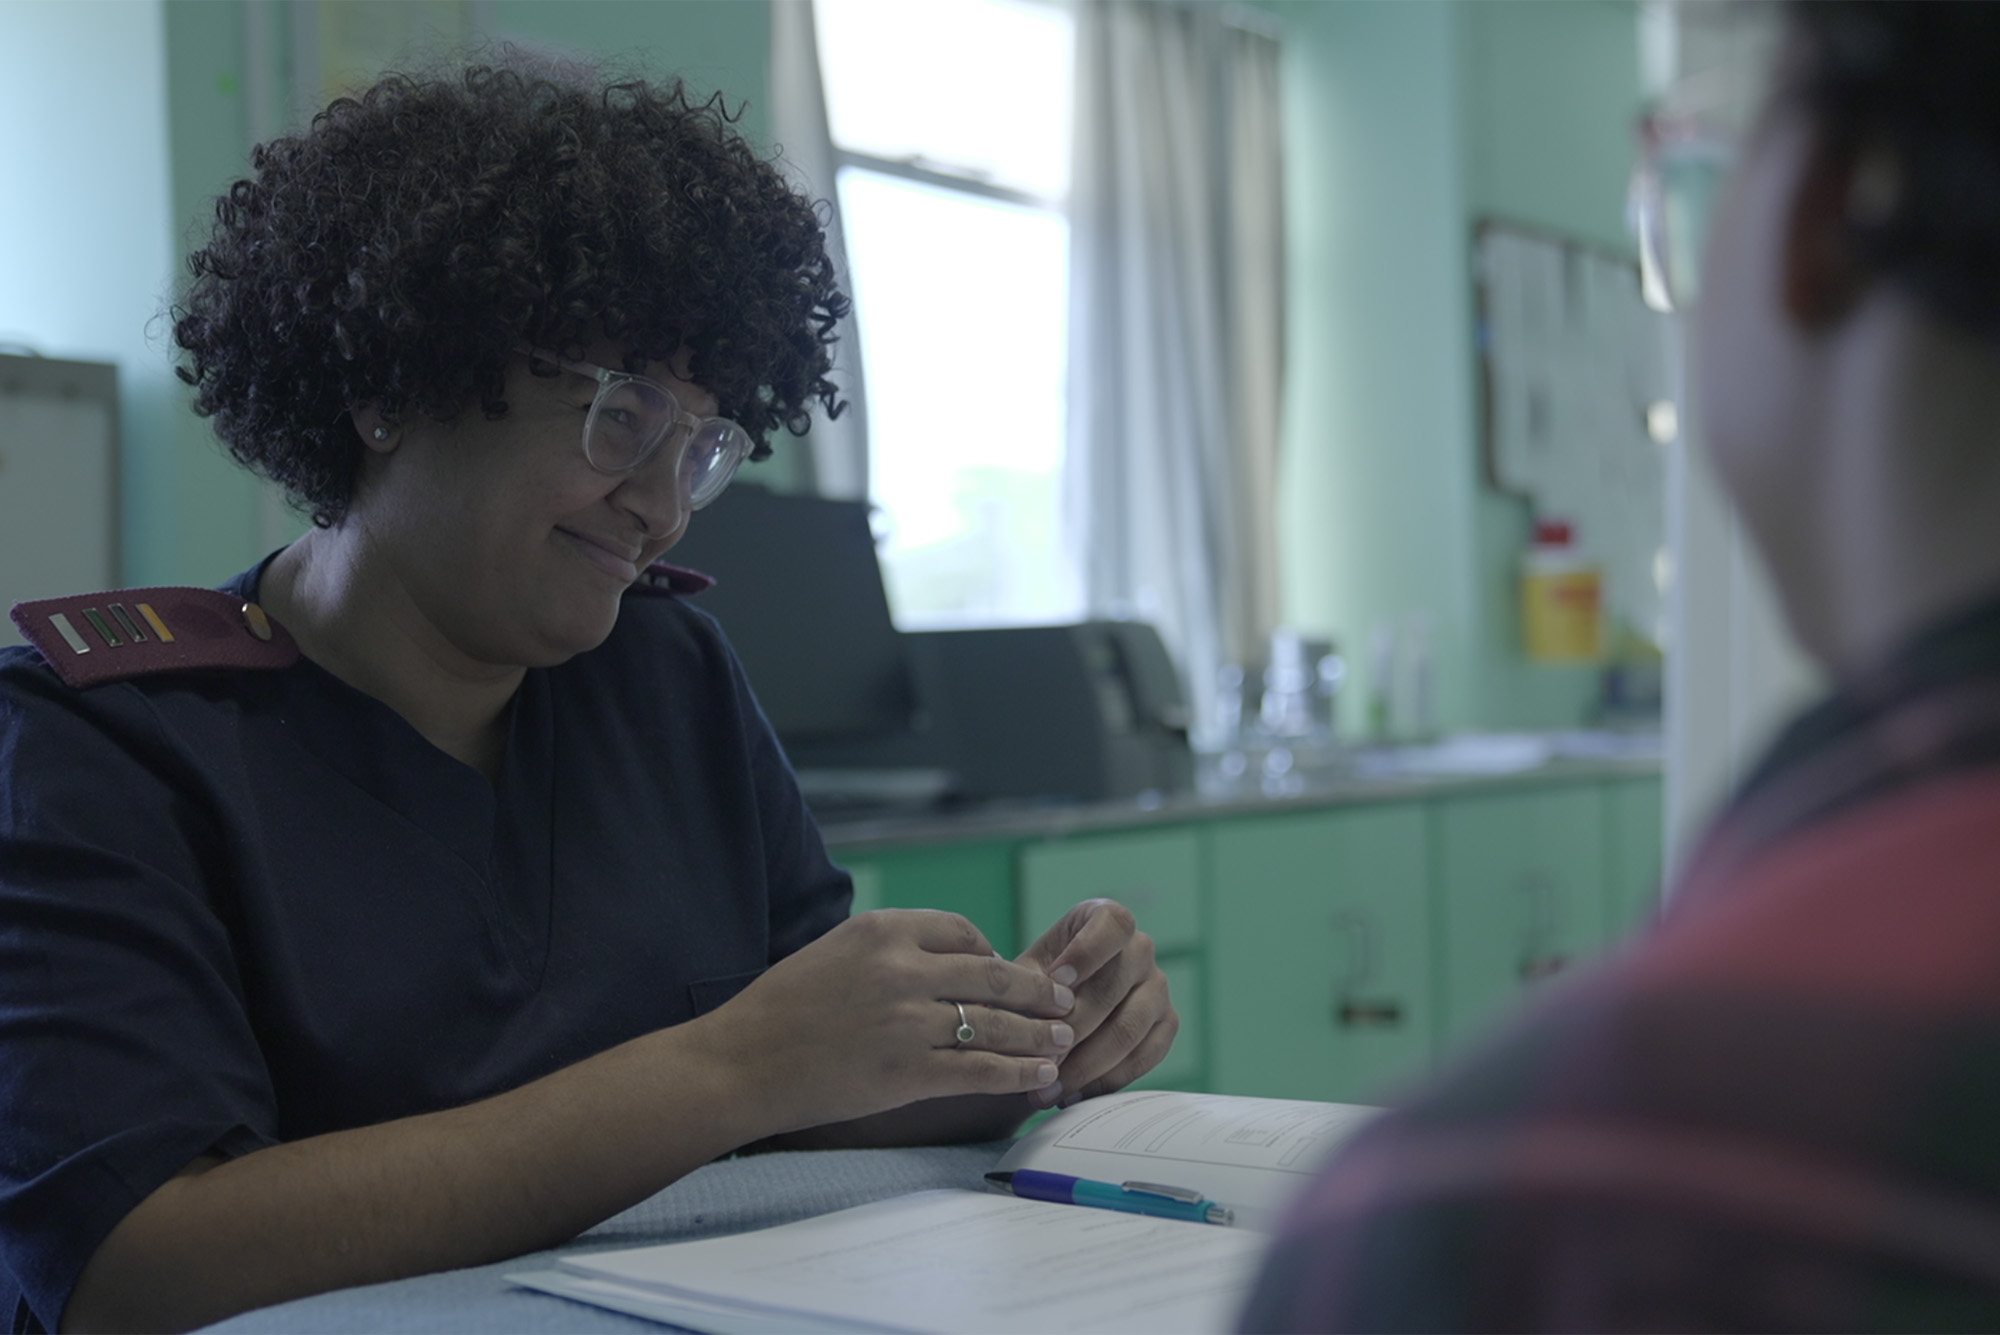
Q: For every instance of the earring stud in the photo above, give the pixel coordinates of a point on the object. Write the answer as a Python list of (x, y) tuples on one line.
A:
[(381, 433)]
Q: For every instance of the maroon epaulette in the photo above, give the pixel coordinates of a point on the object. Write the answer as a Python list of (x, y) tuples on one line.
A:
[(92, 638), (660, 577)]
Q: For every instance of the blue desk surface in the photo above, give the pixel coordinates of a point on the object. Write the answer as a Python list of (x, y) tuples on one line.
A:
[(727, 1197)]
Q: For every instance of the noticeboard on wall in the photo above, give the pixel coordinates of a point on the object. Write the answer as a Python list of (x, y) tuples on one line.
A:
[(1579, 403)]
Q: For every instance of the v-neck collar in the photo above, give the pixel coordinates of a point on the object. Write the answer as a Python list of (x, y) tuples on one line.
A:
[(501, 829)]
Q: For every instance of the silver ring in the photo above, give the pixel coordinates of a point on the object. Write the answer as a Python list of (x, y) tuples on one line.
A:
[(965, 1034)]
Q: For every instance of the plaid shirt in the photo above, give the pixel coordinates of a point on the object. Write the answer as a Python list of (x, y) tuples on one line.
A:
[(1780, 1110)]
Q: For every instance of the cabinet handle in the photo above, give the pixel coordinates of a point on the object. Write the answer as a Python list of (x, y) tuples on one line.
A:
[(1359, 933), (1537, 967), (1351, 1011), (1381, 1013), (1540, 956)]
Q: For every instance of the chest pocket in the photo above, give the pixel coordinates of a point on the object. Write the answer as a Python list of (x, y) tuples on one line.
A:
[(708, 993)]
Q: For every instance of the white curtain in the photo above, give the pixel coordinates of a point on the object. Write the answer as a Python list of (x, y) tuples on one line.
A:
[(1177, 320), (838, 448)]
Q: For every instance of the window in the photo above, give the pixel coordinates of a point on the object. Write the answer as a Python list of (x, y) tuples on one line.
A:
[(951, 123)]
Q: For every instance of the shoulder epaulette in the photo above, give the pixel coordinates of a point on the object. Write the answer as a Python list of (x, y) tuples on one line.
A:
[(660, 577), (92, 638)]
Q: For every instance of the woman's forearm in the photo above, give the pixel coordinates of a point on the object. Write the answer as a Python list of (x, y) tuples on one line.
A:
[(523, 1170)]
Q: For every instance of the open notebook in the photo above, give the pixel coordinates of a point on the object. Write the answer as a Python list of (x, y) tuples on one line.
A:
[(983, 1261)]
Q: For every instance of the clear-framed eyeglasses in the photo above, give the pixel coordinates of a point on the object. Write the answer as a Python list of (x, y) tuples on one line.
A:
[(632, 418), (1720, 84), (1682, 161)]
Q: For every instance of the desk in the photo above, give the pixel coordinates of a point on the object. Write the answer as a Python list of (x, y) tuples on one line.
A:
[(727, 1197)]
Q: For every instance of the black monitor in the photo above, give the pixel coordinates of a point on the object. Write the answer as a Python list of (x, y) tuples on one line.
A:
[(799, 593)]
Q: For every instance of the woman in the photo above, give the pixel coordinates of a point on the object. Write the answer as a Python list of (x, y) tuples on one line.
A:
[(1778, 1111), (458, 895)]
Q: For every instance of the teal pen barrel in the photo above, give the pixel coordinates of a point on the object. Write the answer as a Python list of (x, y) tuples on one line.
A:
[(1108, 1196)]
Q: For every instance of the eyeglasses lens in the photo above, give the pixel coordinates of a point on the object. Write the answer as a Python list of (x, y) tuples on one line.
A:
[(718, 449), (1673, 199), (630, 420), (627, 421)]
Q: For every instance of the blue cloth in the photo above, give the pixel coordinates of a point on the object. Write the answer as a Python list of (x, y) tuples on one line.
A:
[(244, 907)]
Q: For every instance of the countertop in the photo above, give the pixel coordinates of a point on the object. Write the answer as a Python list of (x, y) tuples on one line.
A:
[(1479, 763)]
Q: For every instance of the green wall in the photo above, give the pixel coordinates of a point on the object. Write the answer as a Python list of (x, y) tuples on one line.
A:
[(716, 45), (85, 258), (202, 521), (1550, 92), (1407, 122), (1378, 484)]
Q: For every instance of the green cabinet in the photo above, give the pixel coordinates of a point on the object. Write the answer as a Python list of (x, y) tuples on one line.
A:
[(1155, 873), (1324, 952), (1636, 821), (1520, 896), (975, 878), (1184, 1067), (1319, 953)]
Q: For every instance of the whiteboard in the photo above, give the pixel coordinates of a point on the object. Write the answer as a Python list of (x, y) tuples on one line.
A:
[(58, 481)]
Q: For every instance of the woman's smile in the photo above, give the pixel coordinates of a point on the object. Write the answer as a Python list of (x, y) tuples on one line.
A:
[(617, 559)]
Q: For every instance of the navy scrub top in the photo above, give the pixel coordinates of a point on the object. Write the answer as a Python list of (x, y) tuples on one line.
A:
[(244, 907)]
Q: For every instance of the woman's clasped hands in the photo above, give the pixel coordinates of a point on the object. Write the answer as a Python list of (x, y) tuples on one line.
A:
[(872, 1015), (1124, 1021)]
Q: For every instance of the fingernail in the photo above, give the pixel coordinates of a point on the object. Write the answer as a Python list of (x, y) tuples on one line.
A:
[(1062, 1035), (1065, 975), (1065, 999), (1073, 1100), (1045, 1076), (1045, 1098)]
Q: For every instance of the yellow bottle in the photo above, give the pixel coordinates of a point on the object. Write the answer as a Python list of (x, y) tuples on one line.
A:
[(1562, 598)]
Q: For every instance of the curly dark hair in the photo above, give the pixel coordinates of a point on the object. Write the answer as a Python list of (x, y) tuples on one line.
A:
[(1922, 80), (399, 249)]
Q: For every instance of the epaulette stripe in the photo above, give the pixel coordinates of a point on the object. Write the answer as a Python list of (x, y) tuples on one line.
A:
[(68, 632), (94, 638), (153, 620), (103, 628), (127, 624)]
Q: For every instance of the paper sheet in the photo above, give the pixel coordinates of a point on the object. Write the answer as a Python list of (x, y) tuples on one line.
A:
[(946, 1261)]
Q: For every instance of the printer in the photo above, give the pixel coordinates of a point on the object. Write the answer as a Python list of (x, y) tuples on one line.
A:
[(1086, 711), (876, 718)]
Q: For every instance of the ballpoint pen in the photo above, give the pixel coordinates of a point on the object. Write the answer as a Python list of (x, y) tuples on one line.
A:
[(1132, 1197)]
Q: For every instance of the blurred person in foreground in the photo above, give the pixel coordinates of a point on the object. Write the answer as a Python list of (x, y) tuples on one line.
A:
[(1781, 1110), (436, 889)]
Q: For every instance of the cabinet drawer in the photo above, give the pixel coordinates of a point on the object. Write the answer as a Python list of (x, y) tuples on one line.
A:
[(1319, 954), (1155, 874), (974, 879), (1183, 1067), (1522, 891), (1637, 854), (867, 878)]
